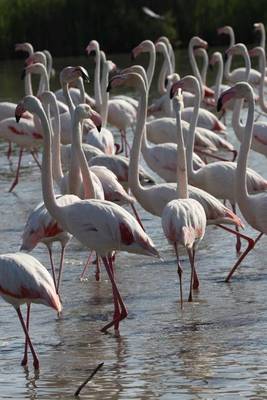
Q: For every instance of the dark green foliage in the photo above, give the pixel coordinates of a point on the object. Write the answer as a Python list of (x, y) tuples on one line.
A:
[(66, 26)]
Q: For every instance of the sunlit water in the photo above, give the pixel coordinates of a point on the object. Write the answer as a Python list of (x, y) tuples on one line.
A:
[(215, 348)]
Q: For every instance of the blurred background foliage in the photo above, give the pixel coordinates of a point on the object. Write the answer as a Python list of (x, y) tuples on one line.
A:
[(66, 26)]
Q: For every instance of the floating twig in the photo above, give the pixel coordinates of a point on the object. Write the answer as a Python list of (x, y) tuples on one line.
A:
[(88, 379)]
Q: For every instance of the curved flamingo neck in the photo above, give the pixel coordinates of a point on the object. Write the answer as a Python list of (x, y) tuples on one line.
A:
[(219, 77), (105, 94), (80, 86), (194, 66), (192, 128), (151, 65), (236, 121), (182, 181), (241, 192), (47, 180), (89, 192), (205, 64), (262, 67), (68, 99), (44, 81), (97, 89), (166, 69), (263, 36), (134, 182), (227, 66)]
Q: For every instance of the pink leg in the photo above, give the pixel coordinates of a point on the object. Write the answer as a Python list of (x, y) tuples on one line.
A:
[(258, 238), (97, 270), (60, 267), (238, 240), (234, 154), (35, 358), (9, 150), (52, 265), (116, 298), (250, 246), (25, 357), (191, 259), (36, 160), (16, 180), (89, 259), (180, 272), (195, 277)]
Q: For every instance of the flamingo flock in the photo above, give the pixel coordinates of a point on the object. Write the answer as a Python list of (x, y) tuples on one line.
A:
[(88, 183)]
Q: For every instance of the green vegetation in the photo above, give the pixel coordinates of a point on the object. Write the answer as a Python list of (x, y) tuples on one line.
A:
[(66, 26)]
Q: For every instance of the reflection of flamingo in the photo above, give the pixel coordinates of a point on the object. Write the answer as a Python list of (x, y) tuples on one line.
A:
[(183, 220), (98, 224), (253, 207), (25, 280)]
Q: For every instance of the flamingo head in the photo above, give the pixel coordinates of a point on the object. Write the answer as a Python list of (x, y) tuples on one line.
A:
[(188, 83), (241, 90), (215, 58), (27, 47), (93, 46), (84, 111), (129, 79), (256, 51), (28, 103), (178, 100), (143, 47), (112, 67), (258, 26), (36, 68), (70, 74), (224, 30), (36, 57), (196, 42)]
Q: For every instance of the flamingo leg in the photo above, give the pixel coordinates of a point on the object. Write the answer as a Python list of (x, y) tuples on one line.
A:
[(258, 238), (250, 246), (36, 160), (116, 298), (9, 150), (180, 272), (16, 180), (234, 154), (35, 358), (60, 267), (191, 259), (195, 277), (238, 240), (52, 265), (89, 259), (137, 216), (25, 357), (97, 269)]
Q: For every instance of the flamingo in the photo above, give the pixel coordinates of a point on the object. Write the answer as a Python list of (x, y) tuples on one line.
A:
[(183, 219), (252, 206), (237, 74), (98, 224), (23, 279), (216, 178), (153, 199)]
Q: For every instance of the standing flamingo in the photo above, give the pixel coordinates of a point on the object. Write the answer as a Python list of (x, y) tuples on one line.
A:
[(184, 219), (23, 279), (252, 206), (98, 224)]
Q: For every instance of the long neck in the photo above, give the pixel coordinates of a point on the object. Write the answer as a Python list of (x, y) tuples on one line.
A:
[(263, 36), (205, 65), (241, 192), (151, 65), (68, 99), (105, 94), (80, 86), (165, 70), (97, 89), (28, 84), (195, 67), (89, 192), (134, 183), (219, 77), (262, 66), (182, 184), (47, 180), (228, 63), (236, 121), (172, 57), (192, 128), (44, 82)]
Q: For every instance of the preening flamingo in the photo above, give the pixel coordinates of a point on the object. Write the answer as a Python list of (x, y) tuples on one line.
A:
[(184, 219), (99, 225), (23, 279), (252, 206)]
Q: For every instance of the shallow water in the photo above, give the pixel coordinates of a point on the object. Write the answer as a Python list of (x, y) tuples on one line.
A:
[(214, 348)]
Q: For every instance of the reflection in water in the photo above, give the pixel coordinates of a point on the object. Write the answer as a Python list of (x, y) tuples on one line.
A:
[(214, 348)]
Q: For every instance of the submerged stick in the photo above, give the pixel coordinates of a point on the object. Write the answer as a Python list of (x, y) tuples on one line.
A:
[(88, 379)]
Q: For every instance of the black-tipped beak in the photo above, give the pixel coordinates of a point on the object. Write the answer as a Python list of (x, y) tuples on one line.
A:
[(17, 118), (109, 87), (23, 74), (166, 82), (85, 77), (99, 127), (219, 104), (171, 93), (225, 57)]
